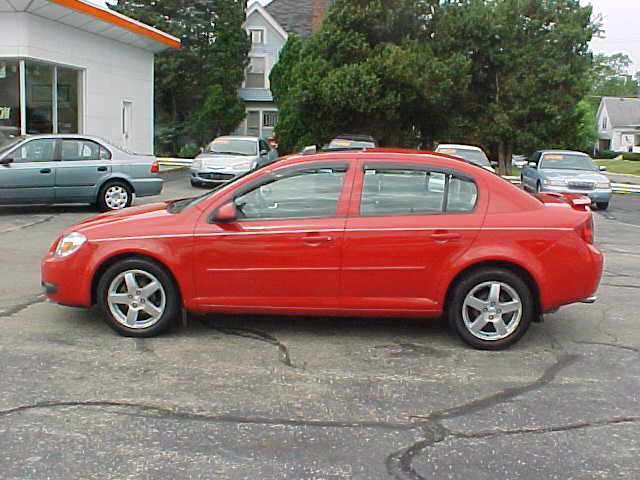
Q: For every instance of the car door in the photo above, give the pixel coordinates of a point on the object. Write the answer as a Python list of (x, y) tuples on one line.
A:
[(264, 153), (284, 250), (30, 177), (408, 224), (84, 164), (530, 174)]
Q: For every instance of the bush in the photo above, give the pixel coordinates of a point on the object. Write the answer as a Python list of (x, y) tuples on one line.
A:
[(190, 150), (631, 156), (607, 154)]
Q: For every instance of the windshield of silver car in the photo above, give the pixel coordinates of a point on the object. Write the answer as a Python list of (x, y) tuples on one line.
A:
[(231, 146), (567, 161)]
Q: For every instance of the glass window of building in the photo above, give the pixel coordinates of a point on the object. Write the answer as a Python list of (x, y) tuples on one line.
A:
[(9, 99), (68, 91), (39, 94)]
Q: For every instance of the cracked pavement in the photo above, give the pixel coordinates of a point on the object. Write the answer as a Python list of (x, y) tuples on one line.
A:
[(244, 397)]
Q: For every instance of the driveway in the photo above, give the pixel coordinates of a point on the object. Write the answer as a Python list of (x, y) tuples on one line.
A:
[(242, 397)]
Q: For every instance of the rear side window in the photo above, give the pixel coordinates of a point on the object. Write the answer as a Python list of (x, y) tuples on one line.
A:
[(77, 149), (415, 192)]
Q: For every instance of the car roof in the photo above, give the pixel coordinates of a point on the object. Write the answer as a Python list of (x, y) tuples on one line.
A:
[(562, 151), (355, 136), (458, 146), (238, 137)]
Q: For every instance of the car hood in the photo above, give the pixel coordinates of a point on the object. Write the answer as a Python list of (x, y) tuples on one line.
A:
[(103, 223), (210, 160), (580, 175)]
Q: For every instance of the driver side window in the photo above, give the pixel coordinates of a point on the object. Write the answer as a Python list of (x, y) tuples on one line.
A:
[(309, 193), (36, 151)]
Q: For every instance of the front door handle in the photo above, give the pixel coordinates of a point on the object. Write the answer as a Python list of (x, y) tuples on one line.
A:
[(45, 170), (102, 169), (315, 239), (445, 236)]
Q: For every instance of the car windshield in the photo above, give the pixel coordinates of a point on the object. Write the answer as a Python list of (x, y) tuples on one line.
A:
[(232, 146), (7, 145), (567, 161), (473, 156), (343, 143)]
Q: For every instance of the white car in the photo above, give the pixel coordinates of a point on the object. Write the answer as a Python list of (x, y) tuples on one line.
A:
[(468, 153)]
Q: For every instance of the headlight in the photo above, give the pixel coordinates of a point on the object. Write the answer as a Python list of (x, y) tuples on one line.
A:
[(604, 185), (242, 166), (70, 244), (197, 164), (556, 183)]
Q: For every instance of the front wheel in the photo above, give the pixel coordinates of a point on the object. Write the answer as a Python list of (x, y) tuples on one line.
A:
[(602, 205), (138, 298), (114, 195), (491, 309)]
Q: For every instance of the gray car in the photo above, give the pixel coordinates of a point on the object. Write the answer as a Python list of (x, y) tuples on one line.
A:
[(569, 172), (74, 169), (229, 157)]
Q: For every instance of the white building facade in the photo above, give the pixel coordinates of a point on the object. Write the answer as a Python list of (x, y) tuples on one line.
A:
[(618, 121), (68, 66)]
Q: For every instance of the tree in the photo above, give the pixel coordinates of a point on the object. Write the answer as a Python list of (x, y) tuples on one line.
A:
[(529, 69), (369, 69), (612, 78), (196, 85)]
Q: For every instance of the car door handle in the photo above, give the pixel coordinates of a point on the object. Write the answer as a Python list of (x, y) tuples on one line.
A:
[(102, 169), (316, 239), (444, 236), (45, 170)]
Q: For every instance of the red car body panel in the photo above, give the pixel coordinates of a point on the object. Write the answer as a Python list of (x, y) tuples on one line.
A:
[(347, 264)]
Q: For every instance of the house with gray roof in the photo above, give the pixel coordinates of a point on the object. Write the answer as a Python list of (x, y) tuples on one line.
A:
[(618, 121), (269, 28)]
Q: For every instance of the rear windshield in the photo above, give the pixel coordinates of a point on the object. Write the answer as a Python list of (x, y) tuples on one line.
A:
[(343, 143), (473, 156), (567, 161)]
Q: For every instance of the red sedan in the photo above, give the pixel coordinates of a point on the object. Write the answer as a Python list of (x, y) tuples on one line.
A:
[(371, 233)]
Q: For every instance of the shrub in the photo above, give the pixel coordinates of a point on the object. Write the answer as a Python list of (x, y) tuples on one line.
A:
[(607, 154), (631, 156), (190, 150)]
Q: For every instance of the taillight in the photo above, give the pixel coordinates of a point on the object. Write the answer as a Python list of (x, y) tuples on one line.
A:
[(155, 167), (585, 230)]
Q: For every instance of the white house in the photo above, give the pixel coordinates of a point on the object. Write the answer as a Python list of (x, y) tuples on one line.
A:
[(69, 66), (269, 28), (618, 121)]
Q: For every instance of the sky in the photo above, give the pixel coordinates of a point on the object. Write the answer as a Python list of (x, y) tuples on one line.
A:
[(620, 20)]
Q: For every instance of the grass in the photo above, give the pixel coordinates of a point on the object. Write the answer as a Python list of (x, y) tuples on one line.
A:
[(621, 166)]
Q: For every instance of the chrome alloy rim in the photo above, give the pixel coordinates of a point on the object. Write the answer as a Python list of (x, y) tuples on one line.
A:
[(492, 311), (136, 299), (116, 197)]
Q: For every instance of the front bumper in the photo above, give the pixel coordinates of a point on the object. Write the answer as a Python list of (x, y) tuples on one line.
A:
[(214, 177), (67, 280), (596, 196)]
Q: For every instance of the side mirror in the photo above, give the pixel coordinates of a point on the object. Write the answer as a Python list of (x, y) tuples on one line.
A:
[(264, 153), (6, 161), (494, 163), (602, 168), (227, 213), (533, 164), (310, 150)]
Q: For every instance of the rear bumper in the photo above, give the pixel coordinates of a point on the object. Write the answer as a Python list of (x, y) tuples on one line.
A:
[(146, 187)]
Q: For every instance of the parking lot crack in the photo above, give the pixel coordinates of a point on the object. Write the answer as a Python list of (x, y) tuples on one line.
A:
[(606, 344), (39, 221), (620, 285), (15, 309)]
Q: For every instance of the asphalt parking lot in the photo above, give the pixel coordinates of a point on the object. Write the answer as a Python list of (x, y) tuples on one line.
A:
[(299, 398)]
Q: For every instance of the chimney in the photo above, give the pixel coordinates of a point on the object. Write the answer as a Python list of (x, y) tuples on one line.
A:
[(320, 8)]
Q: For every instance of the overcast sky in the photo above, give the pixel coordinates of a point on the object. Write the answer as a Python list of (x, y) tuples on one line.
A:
[(621, 20)]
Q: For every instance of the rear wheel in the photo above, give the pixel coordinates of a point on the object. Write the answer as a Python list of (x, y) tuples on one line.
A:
[(491, 308), (115, 195), (602, 205), (138, 298)]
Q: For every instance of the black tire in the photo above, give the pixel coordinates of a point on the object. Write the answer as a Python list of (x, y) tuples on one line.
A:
[(195, 183), (475, 280), (171, 298), (105, 205), (602, 205), (538, 187)]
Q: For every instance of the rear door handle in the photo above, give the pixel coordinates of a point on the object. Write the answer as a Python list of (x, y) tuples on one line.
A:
[(315, 239), (102, 169), (444, 236), (45, 170)]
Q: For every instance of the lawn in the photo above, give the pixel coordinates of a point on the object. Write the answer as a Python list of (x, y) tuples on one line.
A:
[(621, 166)]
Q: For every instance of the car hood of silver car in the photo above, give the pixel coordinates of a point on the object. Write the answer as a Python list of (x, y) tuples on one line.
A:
[(215, 160), (575, 175)]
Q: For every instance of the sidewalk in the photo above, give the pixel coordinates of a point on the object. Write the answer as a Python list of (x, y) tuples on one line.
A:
[(624, 178)]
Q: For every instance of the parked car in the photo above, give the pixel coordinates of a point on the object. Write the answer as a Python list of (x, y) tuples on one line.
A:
[(74, 169), (351, 141), (567, 171), (345, 233), (229, 157), (468, 153)]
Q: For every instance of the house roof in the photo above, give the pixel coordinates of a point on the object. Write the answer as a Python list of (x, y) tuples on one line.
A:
[(95, 19), (301, 17), (622, 112)]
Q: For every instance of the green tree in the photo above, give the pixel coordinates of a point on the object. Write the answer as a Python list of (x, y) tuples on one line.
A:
[(196, 85), (612, 78), (530, 67), (369, 69)]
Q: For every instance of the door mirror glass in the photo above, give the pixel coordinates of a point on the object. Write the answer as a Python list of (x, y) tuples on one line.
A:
[(227, 213), (602, 168), (6, 161), (264, 153)]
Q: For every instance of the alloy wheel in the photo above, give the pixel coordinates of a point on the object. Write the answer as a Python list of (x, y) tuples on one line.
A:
[(492, 310), (136, 299)]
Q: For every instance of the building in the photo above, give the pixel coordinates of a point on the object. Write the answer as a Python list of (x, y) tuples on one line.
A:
[(269, 28), (618, 121), (69, 66)]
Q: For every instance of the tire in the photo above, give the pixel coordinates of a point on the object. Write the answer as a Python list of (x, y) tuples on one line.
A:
[(128, 308), (194, 183), (602, 205), (497, 329), (114, 195), (538, 187)]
